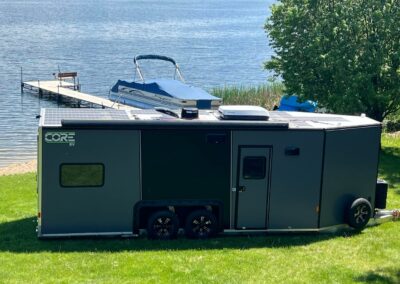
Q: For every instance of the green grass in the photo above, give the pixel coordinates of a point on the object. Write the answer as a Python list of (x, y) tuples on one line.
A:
[(372, 256), (266, 95)]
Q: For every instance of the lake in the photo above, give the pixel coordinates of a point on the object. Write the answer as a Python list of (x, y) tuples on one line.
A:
[(215, 42)]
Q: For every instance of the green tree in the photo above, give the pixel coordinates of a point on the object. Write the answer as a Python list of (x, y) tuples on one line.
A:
[(345, 54)]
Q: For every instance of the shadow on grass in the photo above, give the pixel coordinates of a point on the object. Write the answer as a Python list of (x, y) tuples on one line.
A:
[(389, 166), (384, 275), (19, 236)]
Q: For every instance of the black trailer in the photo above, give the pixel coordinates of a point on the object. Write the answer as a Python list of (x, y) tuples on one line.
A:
[(118, 172)]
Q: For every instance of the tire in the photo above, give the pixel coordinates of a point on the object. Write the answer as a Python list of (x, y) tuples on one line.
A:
[(359, 213), (162, 225), (201, 224)]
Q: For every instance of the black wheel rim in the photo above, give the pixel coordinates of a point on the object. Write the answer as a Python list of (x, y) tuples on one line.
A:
[(163, 226), (361, 214), (202, 226)]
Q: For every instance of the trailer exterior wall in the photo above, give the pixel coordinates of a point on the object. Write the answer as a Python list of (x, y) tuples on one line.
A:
[(81, 210), (350, 171), (295, 180), (187, 164), (313, 170)]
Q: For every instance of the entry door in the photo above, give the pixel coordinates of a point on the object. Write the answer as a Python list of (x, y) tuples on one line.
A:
[(252, 187)]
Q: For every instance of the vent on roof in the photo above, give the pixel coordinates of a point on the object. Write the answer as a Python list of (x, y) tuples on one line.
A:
[(243, 113)]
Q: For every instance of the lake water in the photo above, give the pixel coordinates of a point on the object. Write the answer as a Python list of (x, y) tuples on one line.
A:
[(215, 42)]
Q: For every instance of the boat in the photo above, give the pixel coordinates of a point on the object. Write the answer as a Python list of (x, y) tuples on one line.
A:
[(168, 93)]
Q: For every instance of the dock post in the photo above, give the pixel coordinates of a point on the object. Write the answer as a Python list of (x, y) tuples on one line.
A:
[(40, 91), (22, 83), (58, 95)]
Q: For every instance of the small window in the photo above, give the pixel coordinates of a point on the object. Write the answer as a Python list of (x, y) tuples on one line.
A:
[(254, 167), (82, 175)]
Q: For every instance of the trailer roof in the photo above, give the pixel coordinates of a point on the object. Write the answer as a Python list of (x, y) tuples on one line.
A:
[(65, 117)]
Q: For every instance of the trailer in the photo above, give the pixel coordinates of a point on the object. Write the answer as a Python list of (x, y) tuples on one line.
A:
[(239, 168)]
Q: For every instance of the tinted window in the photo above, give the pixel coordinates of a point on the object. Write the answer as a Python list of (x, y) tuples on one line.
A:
[(82, 175), (254, 167)]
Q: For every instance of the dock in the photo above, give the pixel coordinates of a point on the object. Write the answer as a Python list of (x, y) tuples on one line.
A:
[(64, 89)]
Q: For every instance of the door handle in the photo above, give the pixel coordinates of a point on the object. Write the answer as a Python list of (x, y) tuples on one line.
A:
[(242, 188)]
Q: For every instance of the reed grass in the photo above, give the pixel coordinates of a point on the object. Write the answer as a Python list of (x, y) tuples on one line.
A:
[(265, 95)]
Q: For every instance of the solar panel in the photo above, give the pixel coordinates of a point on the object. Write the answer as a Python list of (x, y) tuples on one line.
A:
[(276, 115), (54, 116)]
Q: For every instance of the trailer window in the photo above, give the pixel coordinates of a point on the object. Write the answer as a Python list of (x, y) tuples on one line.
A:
[(82, 175), (254, 167)]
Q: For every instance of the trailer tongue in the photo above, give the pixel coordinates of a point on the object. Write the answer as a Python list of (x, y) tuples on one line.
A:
[(383, 216)]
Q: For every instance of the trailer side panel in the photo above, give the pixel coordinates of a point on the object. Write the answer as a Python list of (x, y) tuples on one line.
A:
[(187, 164), (295, 175), (350, 171), (91, 183)]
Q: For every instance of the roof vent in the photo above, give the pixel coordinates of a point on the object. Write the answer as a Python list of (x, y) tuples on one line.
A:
[(243, 113)]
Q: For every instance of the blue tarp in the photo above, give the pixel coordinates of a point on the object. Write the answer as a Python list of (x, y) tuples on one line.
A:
[(291, 103)]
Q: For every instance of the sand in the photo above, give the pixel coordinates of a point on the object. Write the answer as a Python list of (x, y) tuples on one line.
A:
[(20, 168)]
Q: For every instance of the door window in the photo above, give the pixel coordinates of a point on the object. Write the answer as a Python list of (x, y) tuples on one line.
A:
[(254, 167)]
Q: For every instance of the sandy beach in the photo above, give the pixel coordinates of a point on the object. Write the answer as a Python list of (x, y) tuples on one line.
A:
[(19, 168)]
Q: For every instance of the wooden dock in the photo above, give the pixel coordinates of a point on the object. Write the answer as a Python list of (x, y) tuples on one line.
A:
[(60, 89)]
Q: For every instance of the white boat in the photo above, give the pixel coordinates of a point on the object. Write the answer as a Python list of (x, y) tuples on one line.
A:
[(169, 93)]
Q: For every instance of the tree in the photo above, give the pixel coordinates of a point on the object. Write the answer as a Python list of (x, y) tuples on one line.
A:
[(344, 54)]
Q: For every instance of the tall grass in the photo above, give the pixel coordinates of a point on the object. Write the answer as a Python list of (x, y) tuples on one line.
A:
[(265, 95)]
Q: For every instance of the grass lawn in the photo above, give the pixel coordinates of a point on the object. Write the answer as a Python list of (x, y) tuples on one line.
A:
[(372, 256)]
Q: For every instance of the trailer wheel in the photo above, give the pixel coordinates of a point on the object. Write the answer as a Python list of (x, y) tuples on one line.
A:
[(359, 213), (162, 225), (201, 224)]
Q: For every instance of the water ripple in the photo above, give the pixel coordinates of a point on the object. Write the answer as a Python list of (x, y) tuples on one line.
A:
[(216, 43)]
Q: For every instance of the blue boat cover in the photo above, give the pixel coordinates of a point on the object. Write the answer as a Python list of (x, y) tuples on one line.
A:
[(291, 103), (167, 87)]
